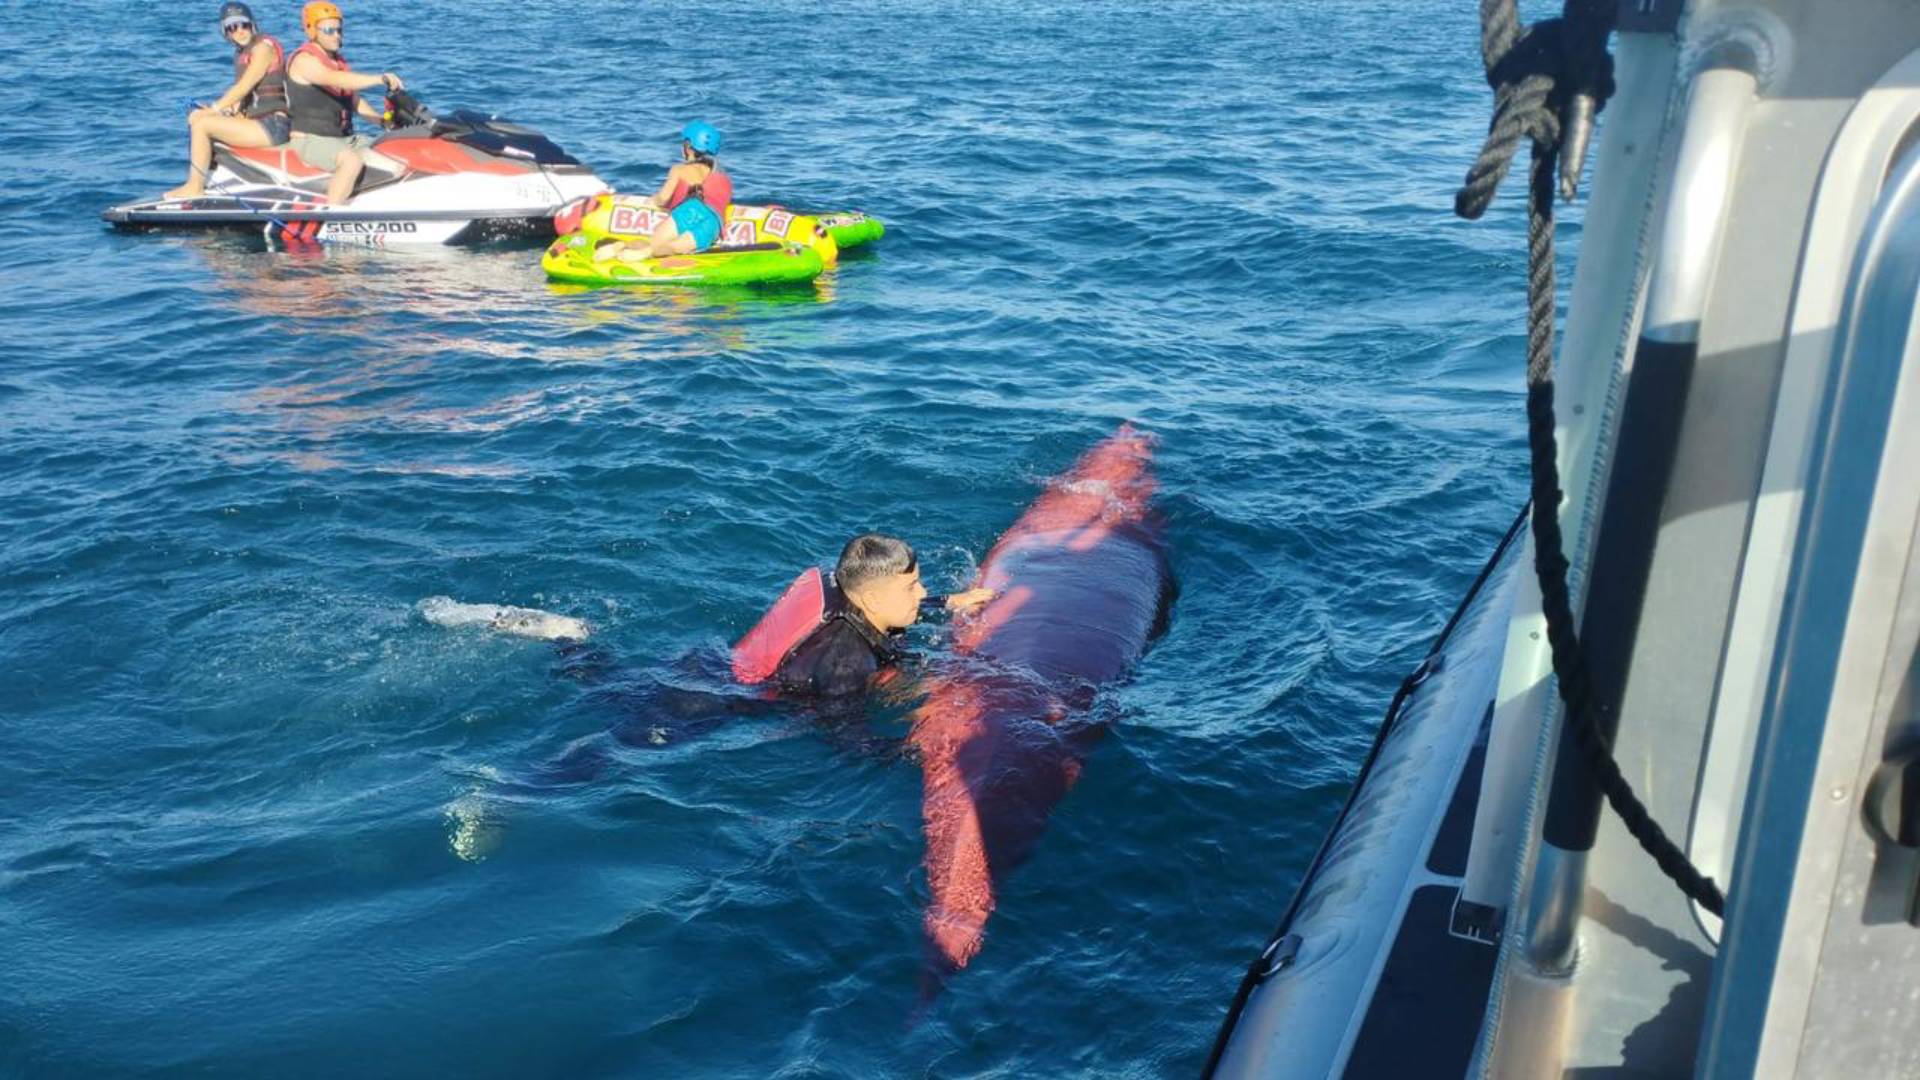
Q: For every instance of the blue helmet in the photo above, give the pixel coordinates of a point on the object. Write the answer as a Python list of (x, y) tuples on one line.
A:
[(233, 13), (702, 136)]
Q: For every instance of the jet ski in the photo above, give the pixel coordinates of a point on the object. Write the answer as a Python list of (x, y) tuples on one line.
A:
[(461, 178)]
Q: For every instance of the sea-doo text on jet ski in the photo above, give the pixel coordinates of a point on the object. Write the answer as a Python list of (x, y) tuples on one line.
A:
[(455, 179)]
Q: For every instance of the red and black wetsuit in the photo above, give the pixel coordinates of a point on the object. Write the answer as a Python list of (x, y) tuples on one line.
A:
[(841, 656), (845, 652)]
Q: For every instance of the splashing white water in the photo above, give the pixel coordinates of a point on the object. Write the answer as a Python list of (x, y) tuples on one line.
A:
[(474, 829), (505, 618)]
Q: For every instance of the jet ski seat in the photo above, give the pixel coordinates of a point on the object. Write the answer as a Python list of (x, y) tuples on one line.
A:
[(272, 164), (280, 159)]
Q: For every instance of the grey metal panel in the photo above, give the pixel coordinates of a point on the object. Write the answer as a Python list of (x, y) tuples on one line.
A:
[(1851, 175), (1648, 16), (1866, 995), (1637, 995), (1704, 171), (1792, 885)]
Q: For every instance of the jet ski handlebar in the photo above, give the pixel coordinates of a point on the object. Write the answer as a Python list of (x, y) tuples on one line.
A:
[(404, 110)]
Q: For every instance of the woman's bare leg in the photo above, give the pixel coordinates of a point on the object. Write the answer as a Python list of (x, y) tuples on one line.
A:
[(669, 240), (204, 126)]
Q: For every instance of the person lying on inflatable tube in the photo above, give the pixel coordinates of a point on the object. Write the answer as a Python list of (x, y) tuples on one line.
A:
[(697, 193), (829, 639)]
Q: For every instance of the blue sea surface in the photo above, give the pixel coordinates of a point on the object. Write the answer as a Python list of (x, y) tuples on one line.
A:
[(259, 818)]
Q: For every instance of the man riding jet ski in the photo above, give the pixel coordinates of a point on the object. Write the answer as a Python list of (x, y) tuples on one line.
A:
[(460, 178), (323, 93)]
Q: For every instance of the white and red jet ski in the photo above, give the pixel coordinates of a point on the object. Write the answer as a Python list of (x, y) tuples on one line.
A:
[(455, 179)]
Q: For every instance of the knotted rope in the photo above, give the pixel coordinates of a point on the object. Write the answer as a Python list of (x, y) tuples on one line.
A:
[(1548, 82)]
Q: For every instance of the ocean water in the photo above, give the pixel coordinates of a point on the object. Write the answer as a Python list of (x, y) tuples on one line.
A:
[(258, 817)]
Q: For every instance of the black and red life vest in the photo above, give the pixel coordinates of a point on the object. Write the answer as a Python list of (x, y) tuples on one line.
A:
[(790, 621), (269, 95), (813, 640), (319, 110)]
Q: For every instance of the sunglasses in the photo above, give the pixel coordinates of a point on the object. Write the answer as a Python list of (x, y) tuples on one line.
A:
[(240, 24), (329, 29)]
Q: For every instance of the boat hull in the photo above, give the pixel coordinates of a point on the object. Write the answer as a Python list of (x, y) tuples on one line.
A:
[(1378, 968)]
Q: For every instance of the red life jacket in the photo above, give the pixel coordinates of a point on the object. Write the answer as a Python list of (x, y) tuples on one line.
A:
[(716, 191), (786, 624), (317, 110), (269, 95)]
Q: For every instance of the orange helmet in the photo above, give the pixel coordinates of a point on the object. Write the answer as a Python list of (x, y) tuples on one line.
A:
[(317, 12)]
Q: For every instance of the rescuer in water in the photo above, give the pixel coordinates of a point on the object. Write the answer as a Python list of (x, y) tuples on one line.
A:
[(875, 594)]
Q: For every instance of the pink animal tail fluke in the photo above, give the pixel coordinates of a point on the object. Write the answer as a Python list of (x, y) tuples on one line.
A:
[(953, 937), (959, 874)]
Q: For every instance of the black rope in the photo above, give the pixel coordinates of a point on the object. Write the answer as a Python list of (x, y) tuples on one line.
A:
[(1260, 969), (1536, 75)]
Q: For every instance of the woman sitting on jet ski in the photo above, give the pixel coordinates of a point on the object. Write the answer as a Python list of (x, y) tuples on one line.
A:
[(697, 193), (253, 111)]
